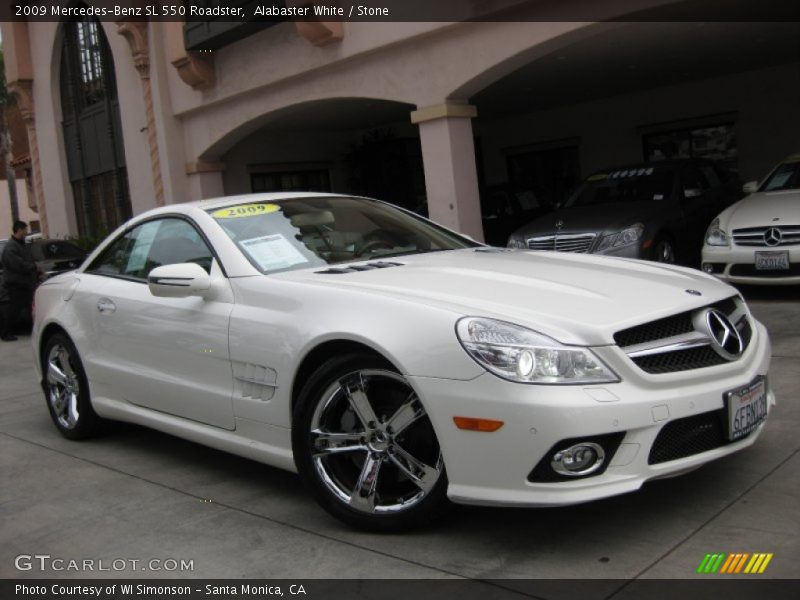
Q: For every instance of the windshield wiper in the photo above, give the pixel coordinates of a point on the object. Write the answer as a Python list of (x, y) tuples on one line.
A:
[(409, 252)]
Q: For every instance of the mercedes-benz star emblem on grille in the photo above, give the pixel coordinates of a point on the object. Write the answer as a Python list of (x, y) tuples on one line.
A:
[(772, 236), (725, 338), (559, 224)]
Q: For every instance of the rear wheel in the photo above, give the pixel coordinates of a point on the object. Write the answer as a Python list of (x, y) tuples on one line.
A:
[(366, 448), (67, 390)]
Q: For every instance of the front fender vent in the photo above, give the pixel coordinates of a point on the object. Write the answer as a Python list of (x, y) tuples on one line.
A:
[(356, 268), (254, 381)]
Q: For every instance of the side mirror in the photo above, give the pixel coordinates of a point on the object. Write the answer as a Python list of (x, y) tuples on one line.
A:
[(180, 280), (751, 187), (692, 193)]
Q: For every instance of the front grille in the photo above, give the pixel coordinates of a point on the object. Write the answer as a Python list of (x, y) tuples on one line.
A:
[(689, 436), (751, 271), (681, 360), (567, 242), (787, 235), (673, 359), (656, 330), (666, 327)]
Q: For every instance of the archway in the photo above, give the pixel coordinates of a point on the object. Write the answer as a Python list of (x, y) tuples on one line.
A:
[(361, 146)]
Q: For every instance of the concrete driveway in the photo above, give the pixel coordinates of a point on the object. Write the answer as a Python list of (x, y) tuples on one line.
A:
[(138, 495)]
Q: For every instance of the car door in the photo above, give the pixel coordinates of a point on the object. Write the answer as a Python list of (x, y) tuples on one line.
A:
[(166, 354)]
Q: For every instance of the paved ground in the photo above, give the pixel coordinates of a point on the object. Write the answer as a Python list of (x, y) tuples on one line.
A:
[(138, 494)]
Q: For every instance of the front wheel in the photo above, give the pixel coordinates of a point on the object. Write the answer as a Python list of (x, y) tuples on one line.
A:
[(365, 446), (67, 390)]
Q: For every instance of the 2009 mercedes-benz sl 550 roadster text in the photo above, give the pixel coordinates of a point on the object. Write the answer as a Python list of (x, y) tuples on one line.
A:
[(396, 365)]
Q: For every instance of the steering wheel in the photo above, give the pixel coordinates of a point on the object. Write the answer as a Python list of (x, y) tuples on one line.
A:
[(376, 243)]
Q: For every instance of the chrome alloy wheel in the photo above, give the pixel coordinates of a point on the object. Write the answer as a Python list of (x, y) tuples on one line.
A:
[(373, 445), (63, 387)]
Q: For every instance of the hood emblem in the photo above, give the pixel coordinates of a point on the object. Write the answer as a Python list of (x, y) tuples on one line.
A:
[(694, 292), (773, 236), (725, 338)]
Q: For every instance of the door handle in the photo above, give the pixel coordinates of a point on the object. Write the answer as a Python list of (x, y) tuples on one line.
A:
[(104, 305)]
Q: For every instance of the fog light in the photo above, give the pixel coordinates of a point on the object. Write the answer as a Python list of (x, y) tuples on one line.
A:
[(578, 460), (708, 268)]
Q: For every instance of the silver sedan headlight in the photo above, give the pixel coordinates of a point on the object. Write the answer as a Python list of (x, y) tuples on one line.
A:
[(715, 236), (522, 355), (626, 237)]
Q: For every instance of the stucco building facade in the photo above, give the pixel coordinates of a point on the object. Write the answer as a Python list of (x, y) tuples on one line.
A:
[(121, 117)]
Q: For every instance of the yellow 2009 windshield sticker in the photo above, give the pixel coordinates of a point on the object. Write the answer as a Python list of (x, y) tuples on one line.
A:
[(244, 210)]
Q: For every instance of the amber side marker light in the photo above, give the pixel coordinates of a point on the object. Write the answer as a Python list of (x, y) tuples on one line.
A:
[(473, 424)]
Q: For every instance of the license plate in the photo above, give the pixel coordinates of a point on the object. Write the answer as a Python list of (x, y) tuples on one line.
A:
[(747, 408), (772, 261)]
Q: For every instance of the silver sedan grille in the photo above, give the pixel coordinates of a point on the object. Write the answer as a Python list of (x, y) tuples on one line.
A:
[(565, 242), (768, 236)]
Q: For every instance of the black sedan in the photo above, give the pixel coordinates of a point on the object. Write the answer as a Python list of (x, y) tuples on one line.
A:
[(658, 211), (52, 257), (56, 256)]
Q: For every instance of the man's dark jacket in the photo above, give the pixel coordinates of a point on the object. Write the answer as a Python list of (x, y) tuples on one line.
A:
[(18, 264)]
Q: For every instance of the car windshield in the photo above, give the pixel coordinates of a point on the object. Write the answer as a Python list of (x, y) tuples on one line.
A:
[(306, 232), (636, 184), (785, 177)]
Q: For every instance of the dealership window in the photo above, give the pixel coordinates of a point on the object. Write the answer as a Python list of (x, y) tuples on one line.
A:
[(92, 129), (315, 180), (715, 141), (544, 175)]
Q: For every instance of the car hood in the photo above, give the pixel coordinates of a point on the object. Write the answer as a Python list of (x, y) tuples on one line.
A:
[(576, 299), (595, 218), (765, 208)]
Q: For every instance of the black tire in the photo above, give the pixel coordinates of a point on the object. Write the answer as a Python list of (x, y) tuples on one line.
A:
[(399, 448), (664, 250), (66, 390)]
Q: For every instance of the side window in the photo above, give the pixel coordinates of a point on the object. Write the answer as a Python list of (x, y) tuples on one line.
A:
[(113, 260), (150, 245), (177, 241)]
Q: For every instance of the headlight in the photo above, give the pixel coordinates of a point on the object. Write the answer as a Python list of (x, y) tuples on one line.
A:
[(516, 243), (716, 236), (626, 237), (519, 354)]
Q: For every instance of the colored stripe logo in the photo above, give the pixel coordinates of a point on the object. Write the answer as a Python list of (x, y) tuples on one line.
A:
[(735, 563)]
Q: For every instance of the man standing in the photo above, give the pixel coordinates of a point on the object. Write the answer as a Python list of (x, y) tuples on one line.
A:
[(19, 277)]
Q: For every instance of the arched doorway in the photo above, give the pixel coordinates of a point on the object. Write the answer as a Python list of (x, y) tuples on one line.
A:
[(92, 129), (350, 145)]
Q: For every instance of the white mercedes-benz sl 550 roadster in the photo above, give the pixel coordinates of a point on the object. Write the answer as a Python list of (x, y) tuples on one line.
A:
[(396, 365)]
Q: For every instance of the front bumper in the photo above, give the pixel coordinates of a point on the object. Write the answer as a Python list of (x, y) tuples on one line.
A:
[(493, 468), (736, 264)]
